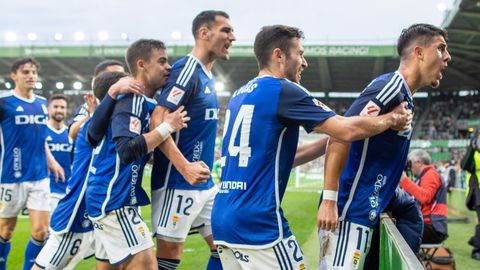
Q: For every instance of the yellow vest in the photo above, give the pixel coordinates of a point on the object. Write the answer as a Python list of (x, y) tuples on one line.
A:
[(476, 159)]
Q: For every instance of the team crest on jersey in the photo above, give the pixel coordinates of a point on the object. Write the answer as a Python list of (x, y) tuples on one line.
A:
[(135, 125), (318, 103), (175, 95), (371, 109), (356, 260), (175, 220)]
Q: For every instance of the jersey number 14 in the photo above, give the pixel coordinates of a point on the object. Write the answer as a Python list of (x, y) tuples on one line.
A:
[(243, 122)]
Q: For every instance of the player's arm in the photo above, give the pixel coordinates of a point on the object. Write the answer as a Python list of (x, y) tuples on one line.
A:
[(360, 127), (308, 152), (100, 120), (335, 159), (193, 172), (53, 165), (131, 149)]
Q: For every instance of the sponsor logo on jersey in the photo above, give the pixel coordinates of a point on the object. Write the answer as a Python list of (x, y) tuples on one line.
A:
[(226, 186), (371, 109), (175, 220), (49, 138), (19, 109), (133, 193), (141, 230), (197, 151), (175, 95), (86, 223), (30, 119), (17, 162), (135, 125), (372, 215), (302, 266), (59, 147), (207, 90), (379, 183), (356, 260), (318, 103), (211, 114)]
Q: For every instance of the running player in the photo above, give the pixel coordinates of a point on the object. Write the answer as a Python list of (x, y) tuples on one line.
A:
[(373, 166), (71, 232), (259, 144), (60, 145), (177, 204), (114, 192), (24, 158)]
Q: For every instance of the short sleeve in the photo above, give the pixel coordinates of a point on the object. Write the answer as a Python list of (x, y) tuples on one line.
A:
[(126, 120), (179, 87), (297, 107)]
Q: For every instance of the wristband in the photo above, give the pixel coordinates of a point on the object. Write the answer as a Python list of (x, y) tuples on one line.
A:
[(164, 129), (330, 195)]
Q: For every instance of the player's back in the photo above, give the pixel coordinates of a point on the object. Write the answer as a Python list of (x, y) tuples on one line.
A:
[(375, 164), (60, 146), (192, 85), (259, 144), (23, 132), (65, 216), (111, 183)]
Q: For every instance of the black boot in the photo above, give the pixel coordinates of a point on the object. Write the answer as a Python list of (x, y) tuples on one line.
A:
[(475, 239)]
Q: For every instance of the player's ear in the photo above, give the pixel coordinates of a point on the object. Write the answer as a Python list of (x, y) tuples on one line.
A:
[(140, 64), (203, 32), (418, 52), (278, 55), (13, 76)]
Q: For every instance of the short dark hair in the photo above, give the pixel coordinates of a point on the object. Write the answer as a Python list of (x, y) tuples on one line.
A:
[(22, 61), (141, 49), (104, 81), (102, 66), (206, 17), (271, 37), (58, 96), (422, 33)]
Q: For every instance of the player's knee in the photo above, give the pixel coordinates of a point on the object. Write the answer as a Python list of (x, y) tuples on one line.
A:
[(6, 232), (40, 234)]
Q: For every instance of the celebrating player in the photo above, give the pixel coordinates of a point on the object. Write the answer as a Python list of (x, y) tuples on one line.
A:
[(373, 166), (259, 144), (25, 155), (178, 202)]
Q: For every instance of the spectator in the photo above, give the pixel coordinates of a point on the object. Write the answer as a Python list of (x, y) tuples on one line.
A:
[(430, 193)]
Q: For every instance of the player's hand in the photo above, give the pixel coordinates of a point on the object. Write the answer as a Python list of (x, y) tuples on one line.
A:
[(57, 170), (91, 101), (327, 217), (126, 85), (401, 117), (195, 173), (177, 119)]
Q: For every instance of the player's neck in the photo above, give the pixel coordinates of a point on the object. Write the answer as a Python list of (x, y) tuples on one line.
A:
[(270, 72), (204, 56), (411, 77), (55, 124), (24, 93)]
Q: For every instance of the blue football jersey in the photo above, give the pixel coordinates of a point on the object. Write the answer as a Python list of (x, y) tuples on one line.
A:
[(112, 184), (60, 145), (23, 129), (374, 165), (80, 113), (191, 85), (71, 213), (259, 144)]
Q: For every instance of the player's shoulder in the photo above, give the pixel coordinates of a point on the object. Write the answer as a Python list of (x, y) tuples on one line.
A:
[(41, 98), (294, 87), (185, 69), (390, 79), (6, 94)]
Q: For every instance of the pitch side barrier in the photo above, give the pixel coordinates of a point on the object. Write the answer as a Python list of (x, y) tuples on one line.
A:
[(395, 254)]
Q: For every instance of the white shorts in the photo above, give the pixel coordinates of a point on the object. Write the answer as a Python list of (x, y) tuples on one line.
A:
[(120, 234), (175, 212), (346, 248), (286, 255), (33, 195), (54, 199), (60, 249)]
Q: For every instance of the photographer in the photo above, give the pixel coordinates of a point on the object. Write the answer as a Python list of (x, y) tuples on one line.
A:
[(471, 164), (430, 193)]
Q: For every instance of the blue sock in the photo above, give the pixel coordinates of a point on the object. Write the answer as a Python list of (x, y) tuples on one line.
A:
[(167, 264), (4, 250), (214, 262), (31, 251)]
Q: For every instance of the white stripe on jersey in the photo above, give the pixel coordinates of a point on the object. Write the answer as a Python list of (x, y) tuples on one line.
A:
[(6, 94), (277, 191), (187, 72), (389, 89), (395, 93), (357, 178), (169, 169), (110, 186), (2, 149)]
